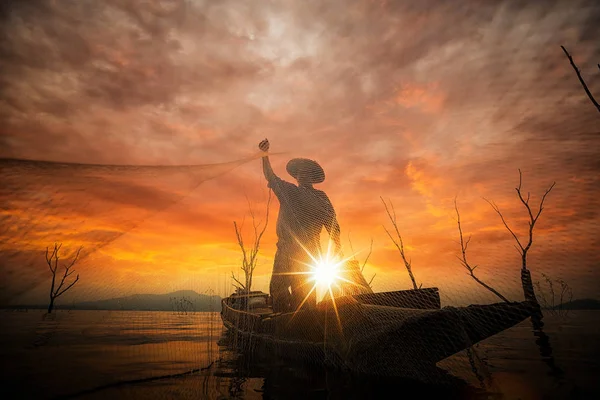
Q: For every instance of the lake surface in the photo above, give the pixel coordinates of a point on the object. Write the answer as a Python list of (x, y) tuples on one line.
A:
[(116, 354)]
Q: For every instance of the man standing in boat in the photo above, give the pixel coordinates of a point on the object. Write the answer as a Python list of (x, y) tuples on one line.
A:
[(303, 212)]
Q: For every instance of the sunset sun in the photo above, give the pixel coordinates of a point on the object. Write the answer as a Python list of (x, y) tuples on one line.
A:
[(325, 272)]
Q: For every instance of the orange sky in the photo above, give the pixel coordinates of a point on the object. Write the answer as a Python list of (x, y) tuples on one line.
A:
[(416, 103)]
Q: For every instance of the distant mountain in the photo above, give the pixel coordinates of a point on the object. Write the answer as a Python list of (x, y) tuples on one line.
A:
[(182, 301), (581, 304)]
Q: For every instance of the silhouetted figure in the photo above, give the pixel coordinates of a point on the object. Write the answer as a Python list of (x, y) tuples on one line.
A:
[(303, 213)]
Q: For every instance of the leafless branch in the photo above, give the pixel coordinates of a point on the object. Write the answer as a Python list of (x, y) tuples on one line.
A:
[(68, 287), (532, 218), (399, 243), (541, 293), (371, 281), (495, 207), (528, 286), (362, 268), (463, 247), (75, 258), (587, 91), (240, 241), (53, 257), (239, 285), (66, 274), (552, 301), (52, 261), (249, 256)]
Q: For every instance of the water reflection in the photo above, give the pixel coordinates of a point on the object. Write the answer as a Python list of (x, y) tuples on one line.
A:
[(280, 379), (149, 355), (542, 340)]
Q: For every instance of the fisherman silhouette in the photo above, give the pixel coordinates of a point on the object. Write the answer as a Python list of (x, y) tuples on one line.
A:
[(303, 212)]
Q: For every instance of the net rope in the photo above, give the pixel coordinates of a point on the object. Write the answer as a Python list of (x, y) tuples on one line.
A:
[(44, 202)]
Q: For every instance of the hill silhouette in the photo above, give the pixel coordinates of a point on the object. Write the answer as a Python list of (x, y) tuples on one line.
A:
[(181, 300), (580, 304)]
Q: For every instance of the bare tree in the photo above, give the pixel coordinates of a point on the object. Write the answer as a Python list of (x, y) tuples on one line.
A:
[(537, 316), (523, 249), (587, 91), (398, 242), (52, 261), (362, 267), (463, 259), (249, 255), (551, 300)]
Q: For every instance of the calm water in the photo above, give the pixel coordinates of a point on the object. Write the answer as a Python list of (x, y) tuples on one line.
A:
[(111, 354)]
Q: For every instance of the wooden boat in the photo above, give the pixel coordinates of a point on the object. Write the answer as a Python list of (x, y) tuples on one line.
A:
[(401, 333)]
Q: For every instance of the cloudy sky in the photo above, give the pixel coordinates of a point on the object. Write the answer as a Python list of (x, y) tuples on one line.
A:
[(418, 102)]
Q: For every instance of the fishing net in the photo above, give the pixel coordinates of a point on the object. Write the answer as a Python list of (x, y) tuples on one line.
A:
[(80, 205), (386, 243), (328, 315)]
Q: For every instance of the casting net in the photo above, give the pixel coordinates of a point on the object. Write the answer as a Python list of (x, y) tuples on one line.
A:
[(321, 310), (377, 240)]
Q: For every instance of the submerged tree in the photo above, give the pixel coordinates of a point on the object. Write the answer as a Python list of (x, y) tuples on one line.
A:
[(523, 249), (542, 339), (399, 242), (463, 259), (52, 261), (249, 255)]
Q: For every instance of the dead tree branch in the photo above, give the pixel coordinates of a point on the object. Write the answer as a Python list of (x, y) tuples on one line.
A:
[(362, 268), (526, 281), (371, 281), (463, 259), (237, 284), (587, 91), (249, 255), (532, 219), (52, 261), (399, 243)]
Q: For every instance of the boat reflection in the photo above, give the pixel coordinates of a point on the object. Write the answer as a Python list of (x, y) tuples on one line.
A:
[(270, 377)]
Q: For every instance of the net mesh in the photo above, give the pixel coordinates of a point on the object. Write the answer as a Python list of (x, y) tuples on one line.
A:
[(320, 308), (318, 276), (82, 205)]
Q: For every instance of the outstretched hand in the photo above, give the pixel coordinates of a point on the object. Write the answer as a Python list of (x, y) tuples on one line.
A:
[(264, 145)]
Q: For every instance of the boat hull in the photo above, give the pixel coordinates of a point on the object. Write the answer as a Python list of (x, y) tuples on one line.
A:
[(371, 338)]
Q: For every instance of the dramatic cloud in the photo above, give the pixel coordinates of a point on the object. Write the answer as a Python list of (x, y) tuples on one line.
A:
[(420, 103)]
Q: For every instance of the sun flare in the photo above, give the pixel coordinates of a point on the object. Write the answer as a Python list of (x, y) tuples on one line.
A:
[(327, 275), (325, 272)]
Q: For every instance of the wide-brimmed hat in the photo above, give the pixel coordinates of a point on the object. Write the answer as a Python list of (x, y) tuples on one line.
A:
[(313, 170)]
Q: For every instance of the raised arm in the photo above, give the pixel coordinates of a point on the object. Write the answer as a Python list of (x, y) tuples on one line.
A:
[(267, 169)]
